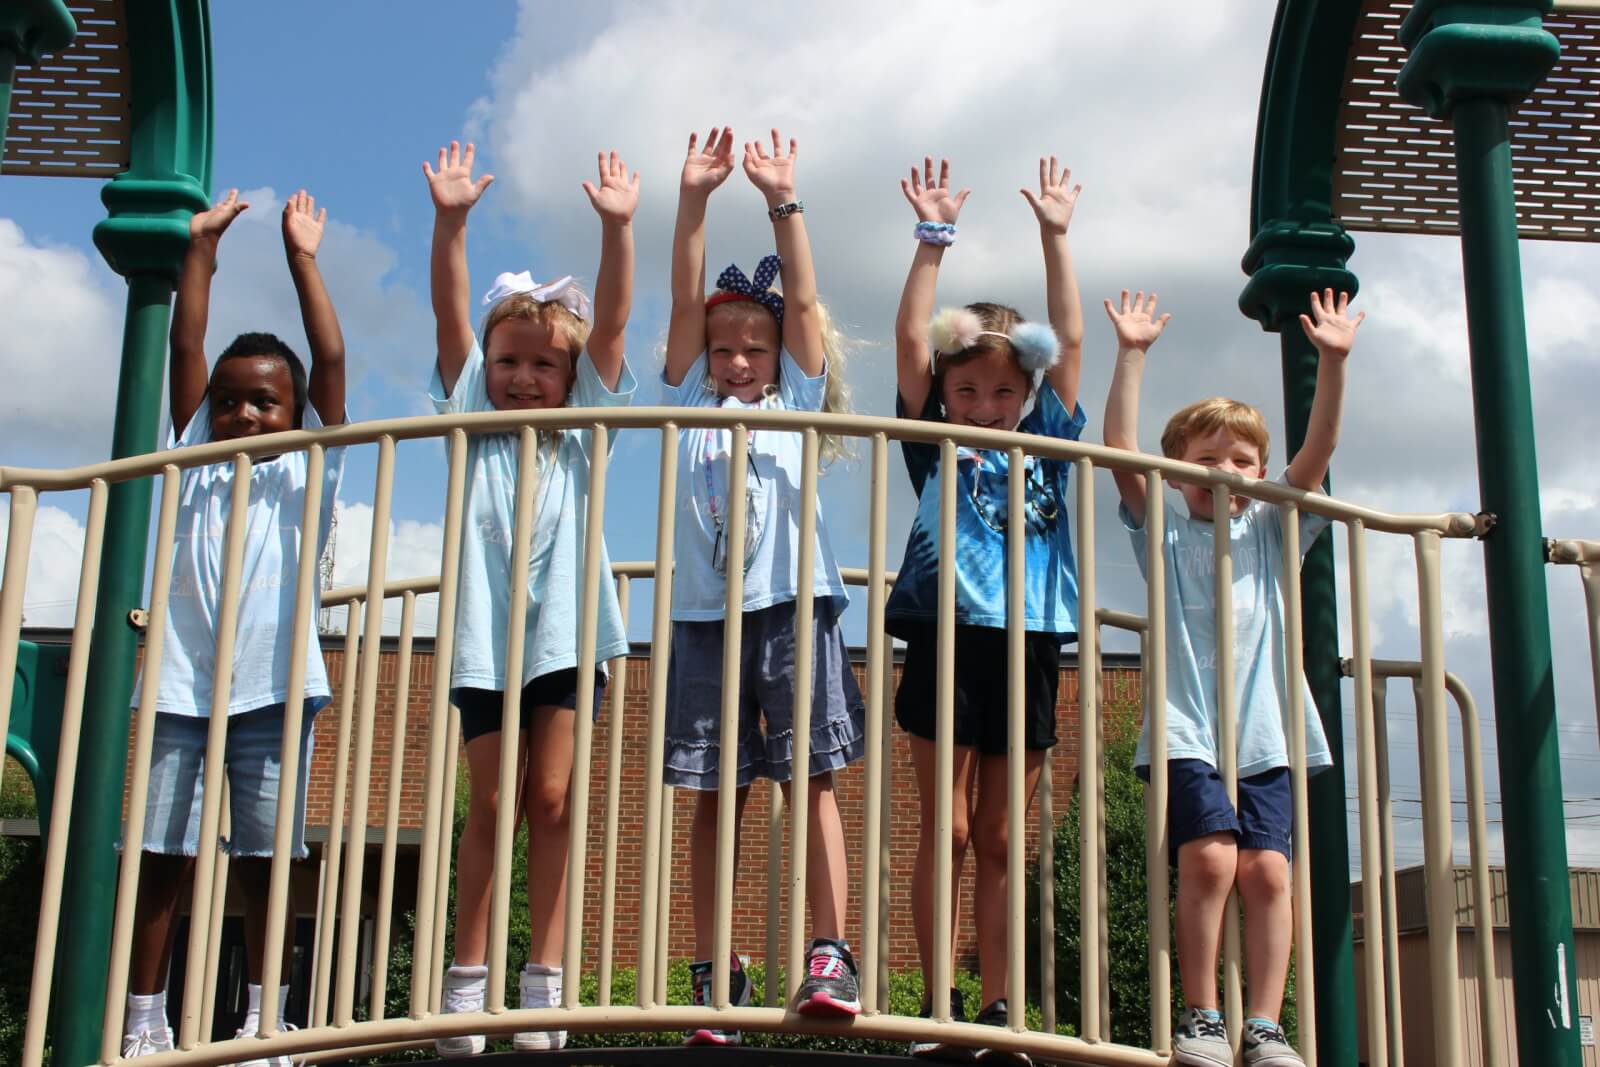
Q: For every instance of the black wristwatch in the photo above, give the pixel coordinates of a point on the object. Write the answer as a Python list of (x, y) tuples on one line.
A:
[(783, 211)]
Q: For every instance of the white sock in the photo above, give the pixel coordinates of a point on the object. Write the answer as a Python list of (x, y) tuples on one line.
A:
[(252, 1013), (146, 1013), (539, 968), (546, 993), (470, 970)]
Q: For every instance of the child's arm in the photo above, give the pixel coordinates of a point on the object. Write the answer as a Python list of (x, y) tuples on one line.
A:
[(1053, 205), (1137, 329), (703, 171), (913, 359), (802, 321), (453, 192), (1333, 332), (187, 382), (302, 234), (614, 201)]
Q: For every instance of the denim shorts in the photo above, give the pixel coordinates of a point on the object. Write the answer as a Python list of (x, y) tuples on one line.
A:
[(482, 709), (1197, 805), (766, 698), (177, 781)]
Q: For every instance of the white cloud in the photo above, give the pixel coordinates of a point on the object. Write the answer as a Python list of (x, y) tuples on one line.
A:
[(414, 551), (54, 563)]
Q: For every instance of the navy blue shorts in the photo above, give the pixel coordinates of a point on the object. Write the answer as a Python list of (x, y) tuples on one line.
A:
[(1197, 805)]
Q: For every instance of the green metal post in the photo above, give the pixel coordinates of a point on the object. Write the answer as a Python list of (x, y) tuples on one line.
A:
[(8, 67), (28, 30), (1469, 63)]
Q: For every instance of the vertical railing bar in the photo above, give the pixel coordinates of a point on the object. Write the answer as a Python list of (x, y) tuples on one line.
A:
[(885, 836), (800, 761), (357, 611), (1300, 839), (1589, 574), (663, 876), (213, 933), (1100, 863), (216, 741), (1090, 907), (1155, 710), (383, 921), (1047, 897), (728, 736), (361, 777), (616, 695), (432, 867), (1227, 741), (1016, 733), (1491, 1028), (139, 780), (55, 852), (446, 827), (1390, 917), (944, 736), (19, 543), (871, 860), (774, 944), (1367, 794), (655, 831)]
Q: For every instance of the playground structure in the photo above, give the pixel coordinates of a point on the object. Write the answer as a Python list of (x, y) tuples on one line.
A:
[(1337, 150)]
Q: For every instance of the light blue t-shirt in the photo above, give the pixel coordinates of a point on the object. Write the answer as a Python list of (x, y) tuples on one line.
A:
[(265, 627), (1259, 665), (1050, 594), (555, 569), (772, 516)]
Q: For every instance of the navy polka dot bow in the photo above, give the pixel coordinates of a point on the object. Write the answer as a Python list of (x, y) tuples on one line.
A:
[(732, 280)]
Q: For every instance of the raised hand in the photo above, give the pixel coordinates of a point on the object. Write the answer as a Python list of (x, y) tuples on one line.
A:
[(302, 225), (930, 199), (1054, 201), (1136, 323), (617, 195), (774, 174), (452, 187), (709, 167), (212, 223), (1329, 326)]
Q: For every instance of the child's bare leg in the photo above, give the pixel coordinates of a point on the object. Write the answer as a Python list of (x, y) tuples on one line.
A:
[(703, 864), (548, 747), (827, 873), (162, 880), (966, 764), (1268, 929), (1206, 869), (253, 876), (475, 855), (990, 838)]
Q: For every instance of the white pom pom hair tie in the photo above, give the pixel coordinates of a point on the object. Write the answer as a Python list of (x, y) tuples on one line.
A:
[(958, 329)]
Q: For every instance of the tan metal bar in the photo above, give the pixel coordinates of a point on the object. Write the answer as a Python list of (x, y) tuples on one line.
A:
[(800, 761), (884, 831), (1227, 742), (1090, 907), (144, 729), (616, 693), (1491, 1025), (333, 849), (1374, 948), (1016, 731), (361, 777), (427, 967), (944, 738), (24, 504), (728, 736), (663, 874), (1159, 922), (216, 740), (774, 946), (383, 921), (1047, 899), (55, 850), (583, 720), (213, 934), (305, 607), (1390, 917), (447, 825), (529, 476), (1100, 829), (657, 829), (872, 866), (1434, 751), (1300, 873), (1590, 576)]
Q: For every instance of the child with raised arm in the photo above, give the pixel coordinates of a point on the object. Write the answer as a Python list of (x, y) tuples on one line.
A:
[(258, 386), (983, 365), (541, 346), (747, 346), (1214, 843)]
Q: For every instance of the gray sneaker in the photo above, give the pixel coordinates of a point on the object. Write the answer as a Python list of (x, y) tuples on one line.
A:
[(1264, 1045), (938, 1050), (1201, 1040), (147, 1042)]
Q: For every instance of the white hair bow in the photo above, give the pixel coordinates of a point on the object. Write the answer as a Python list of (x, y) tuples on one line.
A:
[(563, 291)]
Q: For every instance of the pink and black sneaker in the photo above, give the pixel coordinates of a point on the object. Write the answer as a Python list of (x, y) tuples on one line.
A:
[(738, 997), (830, 986)]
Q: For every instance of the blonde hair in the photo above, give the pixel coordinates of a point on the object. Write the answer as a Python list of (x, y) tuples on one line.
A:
[(573, 331), (995, 319), (1238, 419)]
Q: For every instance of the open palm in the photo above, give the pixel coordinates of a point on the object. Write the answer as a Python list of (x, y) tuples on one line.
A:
[(1329, 326), (1135, 321), (214, 221), (1054, 201), (774, 174), (303, 224), (931, 198), (451, 185), (706, 168), (616, 197)]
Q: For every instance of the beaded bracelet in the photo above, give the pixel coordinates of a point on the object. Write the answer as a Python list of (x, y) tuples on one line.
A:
[(936, 233)]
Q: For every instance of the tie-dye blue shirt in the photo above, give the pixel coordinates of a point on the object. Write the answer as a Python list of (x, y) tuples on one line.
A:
[(1051, 587)]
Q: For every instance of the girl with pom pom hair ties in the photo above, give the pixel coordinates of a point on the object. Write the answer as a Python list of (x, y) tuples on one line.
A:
[(983, 365)]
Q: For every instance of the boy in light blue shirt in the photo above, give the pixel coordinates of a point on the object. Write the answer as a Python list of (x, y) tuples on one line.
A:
[(1214, 844)]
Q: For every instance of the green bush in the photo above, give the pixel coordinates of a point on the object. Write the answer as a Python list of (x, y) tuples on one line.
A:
[(21, 876)]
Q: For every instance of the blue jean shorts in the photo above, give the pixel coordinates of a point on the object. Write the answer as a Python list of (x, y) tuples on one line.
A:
[(766, 699), (177, 781), (1197, 805)]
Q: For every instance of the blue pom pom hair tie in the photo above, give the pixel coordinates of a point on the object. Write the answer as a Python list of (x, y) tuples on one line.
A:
[(955, 330), (734, 286)]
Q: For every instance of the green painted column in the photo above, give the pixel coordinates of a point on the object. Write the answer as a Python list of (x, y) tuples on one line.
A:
[(8, 67), (28, 30), (1469, 63)]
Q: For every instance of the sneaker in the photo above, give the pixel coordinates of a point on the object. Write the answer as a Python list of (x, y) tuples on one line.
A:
[(1264, 1045), (266, 1061), (147, 1043), (738, 996), (938, 1050), (464, 989), (996, 1015), (540, 991), (1201, 1040), (830, 985)]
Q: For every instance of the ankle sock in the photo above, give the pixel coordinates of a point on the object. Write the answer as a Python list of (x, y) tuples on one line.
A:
[(146, 1013)]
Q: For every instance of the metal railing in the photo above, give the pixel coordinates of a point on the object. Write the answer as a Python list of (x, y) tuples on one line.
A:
[(1585, 555), (333, 1023)]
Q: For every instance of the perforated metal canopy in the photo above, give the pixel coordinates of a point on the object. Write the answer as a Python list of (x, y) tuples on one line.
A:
[(1394, 167), (69, 112)]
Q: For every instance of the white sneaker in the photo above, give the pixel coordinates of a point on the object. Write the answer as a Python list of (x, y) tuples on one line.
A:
[(464, 990), (539, 991), (1201, 1040), (268, 1061), (147, 1043), (1266, 1046)]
